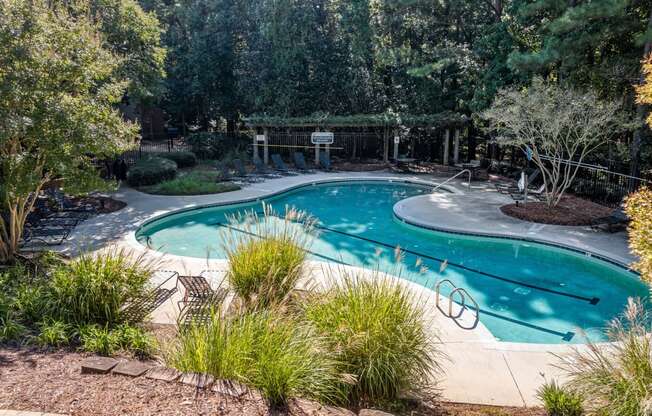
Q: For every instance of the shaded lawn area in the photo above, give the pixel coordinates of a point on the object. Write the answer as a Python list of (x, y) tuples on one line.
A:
[(202, 179)]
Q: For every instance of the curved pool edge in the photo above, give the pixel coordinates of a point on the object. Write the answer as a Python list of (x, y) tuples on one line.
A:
[(424, 223)]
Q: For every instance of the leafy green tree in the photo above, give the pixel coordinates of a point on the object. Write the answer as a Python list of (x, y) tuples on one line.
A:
[(58, 89)]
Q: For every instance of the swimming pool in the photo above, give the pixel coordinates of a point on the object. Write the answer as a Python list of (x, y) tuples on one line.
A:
[(527, 292)]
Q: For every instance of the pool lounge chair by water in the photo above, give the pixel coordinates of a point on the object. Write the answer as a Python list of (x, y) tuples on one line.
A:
[(300, 163), (511, 188), (324, 162), (280, 166), (261, 170), (615, 221), (241, 172)]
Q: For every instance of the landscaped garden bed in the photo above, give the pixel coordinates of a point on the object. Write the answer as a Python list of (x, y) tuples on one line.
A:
[(571, 210)]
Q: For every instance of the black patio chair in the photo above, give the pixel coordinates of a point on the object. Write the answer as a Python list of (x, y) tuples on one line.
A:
[(199, 298), (324, 162), (241, 172), (261, 170), (139, 308), (48, 236), (511, 188), (280, 166), (300, 163), (613, 222)]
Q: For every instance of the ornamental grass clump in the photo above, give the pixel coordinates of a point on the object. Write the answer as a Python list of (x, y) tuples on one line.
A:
[(266, 254), (559, 400), (614, 378), (93, 289), (378, 334), (266, 349)]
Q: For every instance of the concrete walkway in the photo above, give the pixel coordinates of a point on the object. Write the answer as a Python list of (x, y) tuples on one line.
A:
[(477, 368)]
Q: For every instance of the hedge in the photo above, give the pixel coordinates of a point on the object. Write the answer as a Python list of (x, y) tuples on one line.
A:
[(151, 171), (182, 159)]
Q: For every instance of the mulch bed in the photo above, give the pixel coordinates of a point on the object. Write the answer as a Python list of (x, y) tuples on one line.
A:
[(38, 380), (571, 210)]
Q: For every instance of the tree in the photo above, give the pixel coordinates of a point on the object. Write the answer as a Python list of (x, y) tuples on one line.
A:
[(557, 125), (59, 85)]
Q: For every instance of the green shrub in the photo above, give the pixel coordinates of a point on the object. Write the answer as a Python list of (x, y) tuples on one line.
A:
[(639, 209), (191, 183), (54, 333), (273, 352), (215, 145), (559, 401), (99, 340), (266, 255), (378, 334), (182, 159), (151, 171), (31, 302), (94, 289), (614, 378), (10, 328), (134, 339)]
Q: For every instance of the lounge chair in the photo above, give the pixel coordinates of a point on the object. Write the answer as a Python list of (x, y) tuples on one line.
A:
[(300, 163), (198, 298), (324, 162), (48, 236), (261, 170), (511, 188), (225, 174), (613, 222), (536, 194), (241, 172), (280, 166)]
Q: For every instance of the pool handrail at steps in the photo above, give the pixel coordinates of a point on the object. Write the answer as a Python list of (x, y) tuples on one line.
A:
[(468, 184), (464, 294)]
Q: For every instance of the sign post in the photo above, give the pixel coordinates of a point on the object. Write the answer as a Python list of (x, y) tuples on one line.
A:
[(397, 140), (321, 137)]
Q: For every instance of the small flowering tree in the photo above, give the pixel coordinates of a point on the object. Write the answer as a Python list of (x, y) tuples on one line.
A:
[(557, 125)]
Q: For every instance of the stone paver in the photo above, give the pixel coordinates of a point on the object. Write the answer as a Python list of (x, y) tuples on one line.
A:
[(373, 412), (131, 368), (163, 374), (98, 365), (230, 388), (201, 381)]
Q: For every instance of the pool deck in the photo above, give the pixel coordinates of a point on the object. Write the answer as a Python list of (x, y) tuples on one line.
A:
[(478, 368)]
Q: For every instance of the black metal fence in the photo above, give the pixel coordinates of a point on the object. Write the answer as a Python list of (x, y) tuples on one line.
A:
[(605, 186)]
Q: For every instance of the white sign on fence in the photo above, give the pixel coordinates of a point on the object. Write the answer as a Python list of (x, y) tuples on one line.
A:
[(397, 140), (322, 137), (260, 137)]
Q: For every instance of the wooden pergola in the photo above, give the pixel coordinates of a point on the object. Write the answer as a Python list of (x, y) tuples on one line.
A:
[(452, 124)]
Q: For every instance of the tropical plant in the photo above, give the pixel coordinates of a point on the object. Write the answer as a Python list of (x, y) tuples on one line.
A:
[(57, 111), (614, 378), (266, 254), (266, 349), (378, 335), (93, 289), (560, 401), (638, 207), (554, 124)]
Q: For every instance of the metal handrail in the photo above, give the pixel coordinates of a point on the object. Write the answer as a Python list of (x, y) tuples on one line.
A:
[(453, 177), (463, 293)]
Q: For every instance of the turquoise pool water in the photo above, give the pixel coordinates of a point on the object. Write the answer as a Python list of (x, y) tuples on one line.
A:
[(527, 292)]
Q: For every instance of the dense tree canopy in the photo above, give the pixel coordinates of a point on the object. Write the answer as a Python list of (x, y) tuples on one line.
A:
[(295, 58)]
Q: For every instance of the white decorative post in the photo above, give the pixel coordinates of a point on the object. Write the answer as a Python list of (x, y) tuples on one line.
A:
[(265, 146), (397, 139), (447, 135), (456, 147)]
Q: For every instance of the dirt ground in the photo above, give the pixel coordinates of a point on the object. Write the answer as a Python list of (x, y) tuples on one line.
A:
[(38, 380), (570, 211)]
